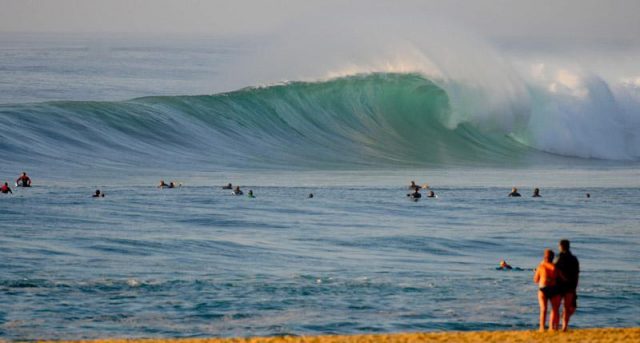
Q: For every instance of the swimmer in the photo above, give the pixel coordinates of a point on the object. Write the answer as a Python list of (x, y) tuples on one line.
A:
[(23, 180), (237, 191), (514, 192), (415, 195), (432, 194), (6, 189), (310, 195), (162, 184), (172, 185), (98, 194), (504, 266), (228, 186), (536, 193), (588, 195), (250, 195)]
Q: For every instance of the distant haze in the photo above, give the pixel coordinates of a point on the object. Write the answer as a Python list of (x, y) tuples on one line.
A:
[(575, 21)]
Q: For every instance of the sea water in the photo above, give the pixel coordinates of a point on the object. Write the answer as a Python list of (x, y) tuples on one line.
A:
[(358, 257)]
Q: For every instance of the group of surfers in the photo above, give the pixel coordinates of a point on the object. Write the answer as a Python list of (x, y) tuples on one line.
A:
[(22, 181), (25, 181)]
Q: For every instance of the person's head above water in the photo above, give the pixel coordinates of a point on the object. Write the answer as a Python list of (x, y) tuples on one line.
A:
[(588, 195), (432, 194), (310, 195), (514, 190), (548, 255), (237, 188), (97, 192), (564, 245), (536, 191)]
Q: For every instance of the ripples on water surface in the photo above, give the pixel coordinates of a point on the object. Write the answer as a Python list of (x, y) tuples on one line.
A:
[(197, 261)]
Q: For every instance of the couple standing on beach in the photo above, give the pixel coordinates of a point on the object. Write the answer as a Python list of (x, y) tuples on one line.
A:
[(557, 283)]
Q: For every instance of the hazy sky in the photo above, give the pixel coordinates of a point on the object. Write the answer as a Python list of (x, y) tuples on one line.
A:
[(600, 21)]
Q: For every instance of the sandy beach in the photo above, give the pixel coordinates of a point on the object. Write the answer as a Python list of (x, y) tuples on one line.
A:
[(584, 335)]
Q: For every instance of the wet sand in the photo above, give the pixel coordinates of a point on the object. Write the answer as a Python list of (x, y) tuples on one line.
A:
[(584, 335)]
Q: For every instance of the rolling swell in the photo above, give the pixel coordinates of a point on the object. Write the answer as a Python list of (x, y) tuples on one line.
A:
[(357, 121)]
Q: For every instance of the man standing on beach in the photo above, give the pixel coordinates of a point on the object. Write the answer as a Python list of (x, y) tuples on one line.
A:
[(568, 270)]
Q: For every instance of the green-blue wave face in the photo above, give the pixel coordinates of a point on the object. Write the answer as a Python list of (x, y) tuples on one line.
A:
[(376, 120)]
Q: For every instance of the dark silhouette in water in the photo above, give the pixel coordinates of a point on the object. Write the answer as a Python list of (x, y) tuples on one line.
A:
[(23, 180), (514, 192), (237, 191), (536, 193)]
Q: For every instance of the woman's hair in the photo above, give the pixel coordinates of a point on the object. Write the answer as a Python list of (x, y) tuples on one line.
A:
[(548, 255)]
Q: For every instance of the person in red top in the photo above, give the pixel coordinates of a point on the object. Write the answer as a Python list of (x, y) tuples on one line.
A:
[(5, 189), (545, 277), (23, 180)]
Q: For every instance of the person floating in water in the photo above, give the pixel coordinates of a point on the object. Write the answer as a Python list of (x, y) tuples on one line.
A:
[(432, 194), (162, 184), (228, 186), (514, 192), (536, 193), (4, 189), (237, 191), (414, 186), (415, 195), (250, 194), (23, 180), (588, 195), (172, 185), (98, 194), (545, 277), (310, 195), (504, 266), (568, 269)]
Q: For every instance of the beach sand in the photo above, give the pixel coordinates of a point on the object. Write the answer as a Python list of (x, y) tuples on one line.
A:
[(584, 335)]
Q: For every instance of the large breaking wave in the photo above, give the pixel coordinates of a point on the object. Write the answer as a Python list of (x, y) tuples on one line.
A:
[(379, 119)]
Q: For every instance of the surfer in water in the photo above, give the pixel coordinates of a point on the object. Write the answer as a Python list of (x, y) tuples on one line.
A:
[(6, 189), (432, 194), (310, 195), (237, 191), (23, 180), (98, 194), (514, 192), (504, 266), (416, 194), (414, 186), (228, 186), (162, 184), (250, 195), (536, 193)]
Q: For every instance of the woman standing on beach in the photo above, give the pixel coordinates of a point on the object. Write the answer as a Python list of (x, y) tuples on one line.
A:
[(545, 277)]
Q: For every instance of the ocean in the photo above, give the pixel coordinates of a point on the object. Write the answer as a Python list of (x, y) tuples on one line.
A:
[(116, 113)]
